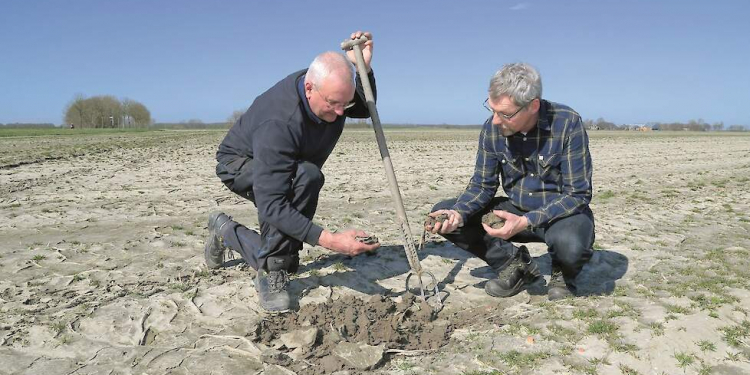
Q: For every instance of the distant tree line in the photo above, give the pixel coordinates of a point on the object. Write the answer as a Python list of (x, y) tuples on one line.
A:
[(692, 125), (27, 125), (106, 111), (192, 124), (198, 124)]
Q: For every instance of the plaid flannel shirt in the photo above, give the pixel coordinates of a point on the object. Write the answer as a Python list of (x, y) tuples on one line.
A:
[(545, 173)]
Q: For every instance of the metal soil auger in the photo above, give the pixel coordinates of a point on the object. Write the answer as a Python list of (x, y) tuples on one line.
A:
[(409, 248)]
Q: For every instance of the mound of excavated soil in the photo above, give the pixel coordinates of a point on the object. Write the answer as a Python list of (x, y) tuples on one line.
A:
[(379, 322)]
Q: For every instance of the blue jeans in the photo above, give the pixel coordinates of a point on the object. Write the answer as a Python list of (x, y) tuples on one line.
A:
[(569, 240)]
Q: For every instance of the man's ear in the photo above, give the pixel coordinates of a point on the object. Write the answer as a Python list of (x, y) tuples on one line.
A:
[(535, 105)]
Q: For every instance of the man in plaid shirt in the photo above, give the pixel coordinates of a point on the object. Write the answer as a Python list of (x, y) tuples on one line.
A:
[(539, 151)]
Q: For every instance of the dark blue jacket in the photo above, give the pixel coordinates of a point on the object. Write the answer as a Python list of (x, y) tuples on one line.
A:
[(277, 132)]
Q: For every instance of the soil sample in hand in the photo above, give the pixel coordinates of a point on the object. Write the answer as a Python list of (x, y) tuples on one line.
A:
[(493, 221), (368, 240), (431, 221)]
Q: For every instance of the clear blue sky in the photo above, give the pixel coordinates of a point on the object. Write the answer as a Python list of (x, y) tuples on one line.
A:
[(625, 61)]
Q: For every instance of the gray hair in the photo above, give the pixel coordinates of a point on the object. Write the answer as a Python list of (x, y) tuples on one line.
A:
[(328, 63), (520, 81)]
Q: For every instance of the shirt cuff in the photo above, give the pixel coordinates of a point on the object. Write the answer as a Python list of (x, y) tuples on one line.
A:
[(313, 235)]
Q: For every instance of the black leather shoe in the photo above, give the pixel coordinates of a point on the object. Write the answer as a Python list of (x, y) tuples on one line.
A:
[(214, 250), (521, 271), (557, 288), (272, 284)]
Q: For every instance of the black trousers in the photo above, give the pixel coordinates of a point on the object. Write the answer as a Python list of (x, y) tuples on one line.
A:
[(569, 240), (256, 249)]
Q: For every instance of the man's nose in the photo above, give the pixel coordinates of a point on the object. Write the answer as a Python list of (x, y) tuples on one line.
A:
[(496, 120)]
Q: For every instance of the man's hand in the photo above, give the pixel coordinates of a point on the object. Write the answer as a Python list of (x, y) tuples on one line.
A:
[(346, 242), (366, 49), (454, 221), (514, 224)]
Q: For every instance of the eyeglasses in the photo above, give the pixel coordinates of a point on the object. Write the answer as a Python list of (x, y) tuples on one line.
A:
[(503, 115), (333, 104)]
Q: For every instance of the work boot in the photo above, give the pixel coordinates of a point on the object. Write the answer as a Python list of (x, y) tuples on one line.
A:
[(271, 285), (214, 250), (557, 288), (521, 270)]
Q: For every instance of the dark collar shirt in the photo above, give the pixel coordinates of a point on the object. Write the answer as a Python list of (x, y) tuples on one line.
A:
[(277, 132), (545, 173)]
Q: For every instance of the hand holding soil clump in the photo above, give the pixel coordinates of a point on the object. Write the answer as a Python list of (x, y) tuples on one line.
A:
[(492, 220), (431, 221), (367, 240)]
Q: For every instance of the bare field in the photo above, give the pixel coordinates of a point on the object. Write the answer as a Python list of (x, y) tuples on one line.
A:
[(101, 252)]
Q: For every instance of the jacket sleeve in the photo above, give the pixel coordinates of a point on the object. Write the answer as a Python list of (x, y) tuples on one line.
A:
[(359, 109), (274, 168)]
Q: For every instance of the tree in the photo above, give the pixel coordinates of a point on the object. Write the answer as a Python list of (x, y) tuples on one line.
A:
[(139, 114), (105, 111), (231, 120)]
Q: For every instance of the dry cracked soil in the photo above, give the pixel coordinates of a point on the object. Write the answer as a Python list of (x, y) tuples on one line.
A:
[(101, 252)]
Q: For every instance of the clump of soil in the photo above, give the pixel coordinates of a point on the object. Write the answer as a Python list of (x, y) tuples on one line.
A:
[(493, 221), (431, 221), (410, 324), (367, 240)]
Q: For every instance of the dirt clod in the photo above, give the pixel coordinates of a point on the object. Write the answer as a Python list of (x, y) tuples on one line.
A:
[(367, 240), (493, 221), (431, 221), (379, 321)]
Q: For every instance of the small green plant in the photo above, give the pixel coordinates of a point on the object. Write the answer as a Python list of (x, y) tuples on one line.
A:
[(580, 368), (705, 369), (38, 257), (560, 333), (706, 346), (517, 329), (622, 347), (58, 327), (657, 329), (517, 359), (684, 359), (602, 327), (586, 314), (182, 287), (734, 336), (733, 357), (625, 370), (605, 195), (339, 267), (675, 309), (404, 365), (566, 350)]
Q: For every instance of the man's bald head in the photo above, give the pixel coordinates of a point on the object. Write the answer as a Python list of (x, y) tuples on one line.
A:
[(330, 65), (329, 85)]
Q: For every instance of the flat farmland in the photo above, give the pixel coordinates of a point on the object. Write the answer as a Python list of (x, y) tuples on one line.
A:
[(101, 253)]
